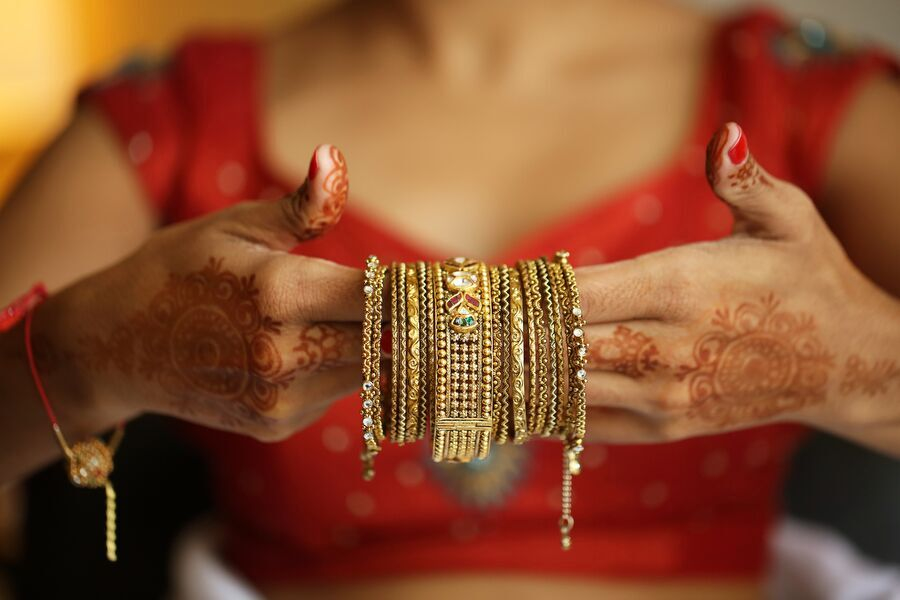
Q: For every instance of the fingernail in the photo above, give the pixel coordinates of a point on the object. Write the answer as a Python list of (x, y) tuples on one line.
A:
[(313, 166), (737, 152)]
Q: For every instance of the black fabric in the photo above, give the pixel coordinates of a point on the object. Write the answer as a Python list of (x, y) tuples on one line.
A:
[(850, 489), (161, 484)]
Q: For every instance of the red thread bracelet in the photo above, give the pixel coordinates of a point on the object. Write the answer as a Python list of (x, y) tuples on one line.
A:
[(89, 462), (19, 307), (35, 376)]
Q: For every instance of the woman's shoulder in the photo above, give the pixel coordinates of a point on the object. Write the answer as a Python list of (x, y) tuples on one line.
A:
[(172, 115), (788, 83)]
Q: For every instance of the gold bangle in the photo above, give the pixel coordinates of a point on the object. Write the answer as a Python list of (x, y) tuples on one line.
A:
[(412, 356), (578, 350), (577, 403), (442, 368), (373, 428), (537, 342), (398, 353), (517, 361), (554, 368), (501, 354), (426, 345), (562, 347), (481, 439), (464, 328)]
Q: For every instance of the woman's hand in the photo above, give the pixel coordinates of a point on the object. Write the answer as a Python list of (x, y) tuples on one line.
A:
[(214, 321), (770, 324)]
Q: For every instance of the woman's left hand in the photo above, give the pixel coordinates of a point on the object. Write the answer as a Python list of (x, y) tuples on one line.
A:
[(771, 324)]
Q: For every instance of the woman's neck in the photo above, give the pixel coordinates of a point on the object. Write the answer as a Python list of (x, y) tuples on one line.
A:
[(470, 41)]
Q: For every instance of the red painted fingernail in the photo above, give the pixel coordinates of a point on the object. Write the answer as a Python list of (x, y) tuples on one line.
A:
[(737, 154), (313, 166)]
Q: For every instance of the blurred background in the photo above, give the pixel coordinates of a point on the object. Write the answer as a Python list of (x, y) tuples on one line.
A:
[(49, 49)]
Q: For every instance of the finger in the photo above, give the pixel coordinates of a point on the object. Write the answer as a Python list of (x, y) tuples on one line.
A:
[(308, 212), (621, 426), (763, 206), (322, 390), (321, 347), (612, 390), (630, 349), (303, 289), (652, 286), (304, 402)]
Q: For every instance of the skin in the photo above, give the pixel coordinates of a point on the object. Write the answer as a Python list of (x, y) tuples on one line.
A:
[(465, 71), (745, 336)]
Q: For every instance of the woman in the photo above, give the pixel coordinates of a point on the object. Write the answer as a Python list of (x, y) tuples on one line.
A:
[(499, 130)]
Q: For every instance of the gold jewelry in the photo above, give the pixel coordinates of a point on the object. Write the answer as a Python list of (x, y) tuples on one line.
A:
[(517, 360), (398, 352), (460, 330), (426, 344), (537, 342), (482, 439), (464, 327), (577, 404), (373, 429), (553, 334), (562, 361), (502, 354), (442, 367), (412, 356)]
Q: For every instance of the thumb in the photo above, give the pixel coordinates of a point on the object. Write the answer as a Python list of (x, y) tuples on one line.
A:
[(306, 213), (763, 206)]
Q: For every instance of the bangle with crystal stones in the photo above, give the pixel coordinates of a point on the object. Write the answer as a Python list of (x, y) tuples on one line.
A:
[(373, 429)]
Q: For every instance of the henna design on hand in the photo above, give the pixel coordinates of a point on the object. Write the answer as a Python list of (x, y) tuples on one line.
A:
[(714, 155), (628, 352), (871, 380), (320, 346), (748, 175), (758, 362), (204, 339), (336, 186)]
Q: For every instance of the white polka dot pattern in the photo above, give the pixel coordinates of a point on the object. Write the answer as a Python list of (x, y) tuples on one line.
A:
[(335, 438), (230, 178), (360, 504), (140, 147)]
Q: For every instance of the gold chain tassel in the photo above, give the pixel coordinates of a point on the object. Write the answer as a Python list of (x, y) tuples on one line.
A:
[(110, 522)]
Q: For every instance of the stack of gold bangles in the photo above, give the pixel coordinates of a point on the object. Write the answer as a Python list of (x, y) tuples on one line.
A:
[(479, 354)]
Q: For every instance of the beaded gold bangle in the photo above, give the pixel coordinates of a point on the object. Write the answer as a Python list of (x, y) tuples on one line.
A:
[(465, 328), (496, 357), (373, 431), (481, 438), (577, 421), (442, 368)]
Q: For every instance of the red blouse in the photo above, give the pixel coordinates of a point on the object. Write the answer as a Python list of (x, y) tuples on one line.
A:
[(299, 510)]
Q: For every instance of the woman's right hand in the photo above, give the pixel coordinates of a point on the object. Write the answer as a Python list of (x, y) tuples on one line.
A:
[(215, 321)]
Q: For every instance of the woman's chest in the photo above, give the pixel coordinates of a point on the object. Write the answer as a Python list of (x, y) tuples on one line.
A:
[(474, 173)]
